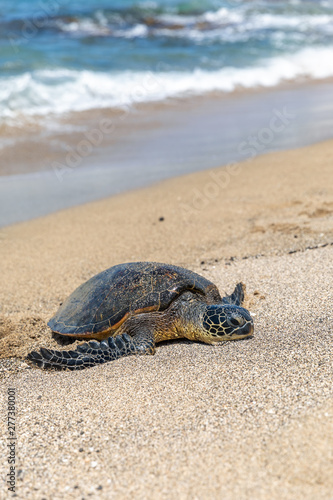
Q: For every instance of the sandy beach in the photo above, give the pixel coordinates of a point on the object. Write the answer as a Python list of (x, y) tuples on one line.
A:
[(191, 133), (63, 161), (248, 419)]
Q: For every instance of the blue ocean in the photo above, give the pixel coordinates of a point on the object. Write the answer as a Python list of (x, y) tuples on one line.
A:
[(59, 56)]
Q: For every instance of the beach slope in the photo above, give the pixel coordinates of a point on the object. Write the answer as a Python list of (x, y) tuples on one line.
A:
[(247, 419)]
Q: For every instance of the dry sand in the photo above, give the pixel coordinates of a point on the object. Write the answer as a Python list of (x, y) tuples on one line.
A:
[(251, 419)]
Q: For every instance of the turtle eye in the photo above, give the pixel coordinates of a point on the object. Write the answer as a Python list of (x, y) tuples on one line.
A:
[(236, 321)]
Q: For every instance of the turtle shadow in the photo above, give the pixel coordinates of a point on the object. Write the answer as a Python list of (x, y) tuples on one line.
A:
[(63, 339), (185, 341), (174, 341)]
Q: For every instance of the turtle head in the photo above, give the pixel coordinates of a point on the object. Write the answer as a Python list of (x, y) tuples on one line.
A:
[(224, 322), (212, 323)]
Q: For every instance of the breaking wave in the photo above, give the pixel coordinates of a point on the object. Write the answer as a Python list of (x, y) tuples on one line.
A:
[(60, 90)]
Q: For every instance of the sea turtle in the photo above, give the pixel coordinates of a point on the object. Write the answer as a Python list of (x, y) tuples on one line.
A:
[(132, 306)]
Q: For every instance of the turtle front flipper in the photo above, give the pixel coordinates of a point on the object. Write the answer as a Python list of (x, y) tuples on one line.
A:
[(94, 353), (237, 296)]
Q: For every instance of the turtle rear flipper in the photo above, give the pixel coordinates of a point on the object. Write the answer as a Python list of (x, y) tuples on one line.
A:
[(94, 353), (237, 296)]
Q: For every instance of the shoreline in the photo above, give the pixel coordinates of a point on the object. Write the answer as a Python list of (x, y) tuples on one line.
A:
[(163, 141), (45, 140)]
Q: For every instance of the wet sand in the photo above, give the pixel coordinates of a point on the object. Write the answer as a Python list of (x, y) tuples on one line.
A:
[(91, 155), (248, 419)]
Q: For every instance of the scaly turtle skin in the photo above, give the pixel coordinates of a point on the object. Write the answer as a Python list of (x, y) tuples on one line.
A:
[(131, 307)]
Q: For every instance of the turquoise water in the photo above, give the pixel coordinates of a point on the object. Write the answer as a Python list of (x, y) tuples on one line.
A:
[(68, 55)]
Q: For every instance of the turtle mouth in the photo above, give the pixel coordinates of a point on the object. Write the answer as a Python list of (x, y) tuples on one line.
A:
[(246, 329)]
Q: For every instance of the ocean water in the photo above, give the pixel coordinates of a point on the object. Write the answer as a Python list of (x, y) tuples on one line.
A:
[(59, 56)]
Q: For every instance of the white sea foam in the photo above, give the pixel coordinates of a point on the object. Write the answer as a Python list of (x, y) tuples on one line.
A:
[(227, 26), (60, 91), (222, 16), (196, 26), (83, 27), (139, 30)]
